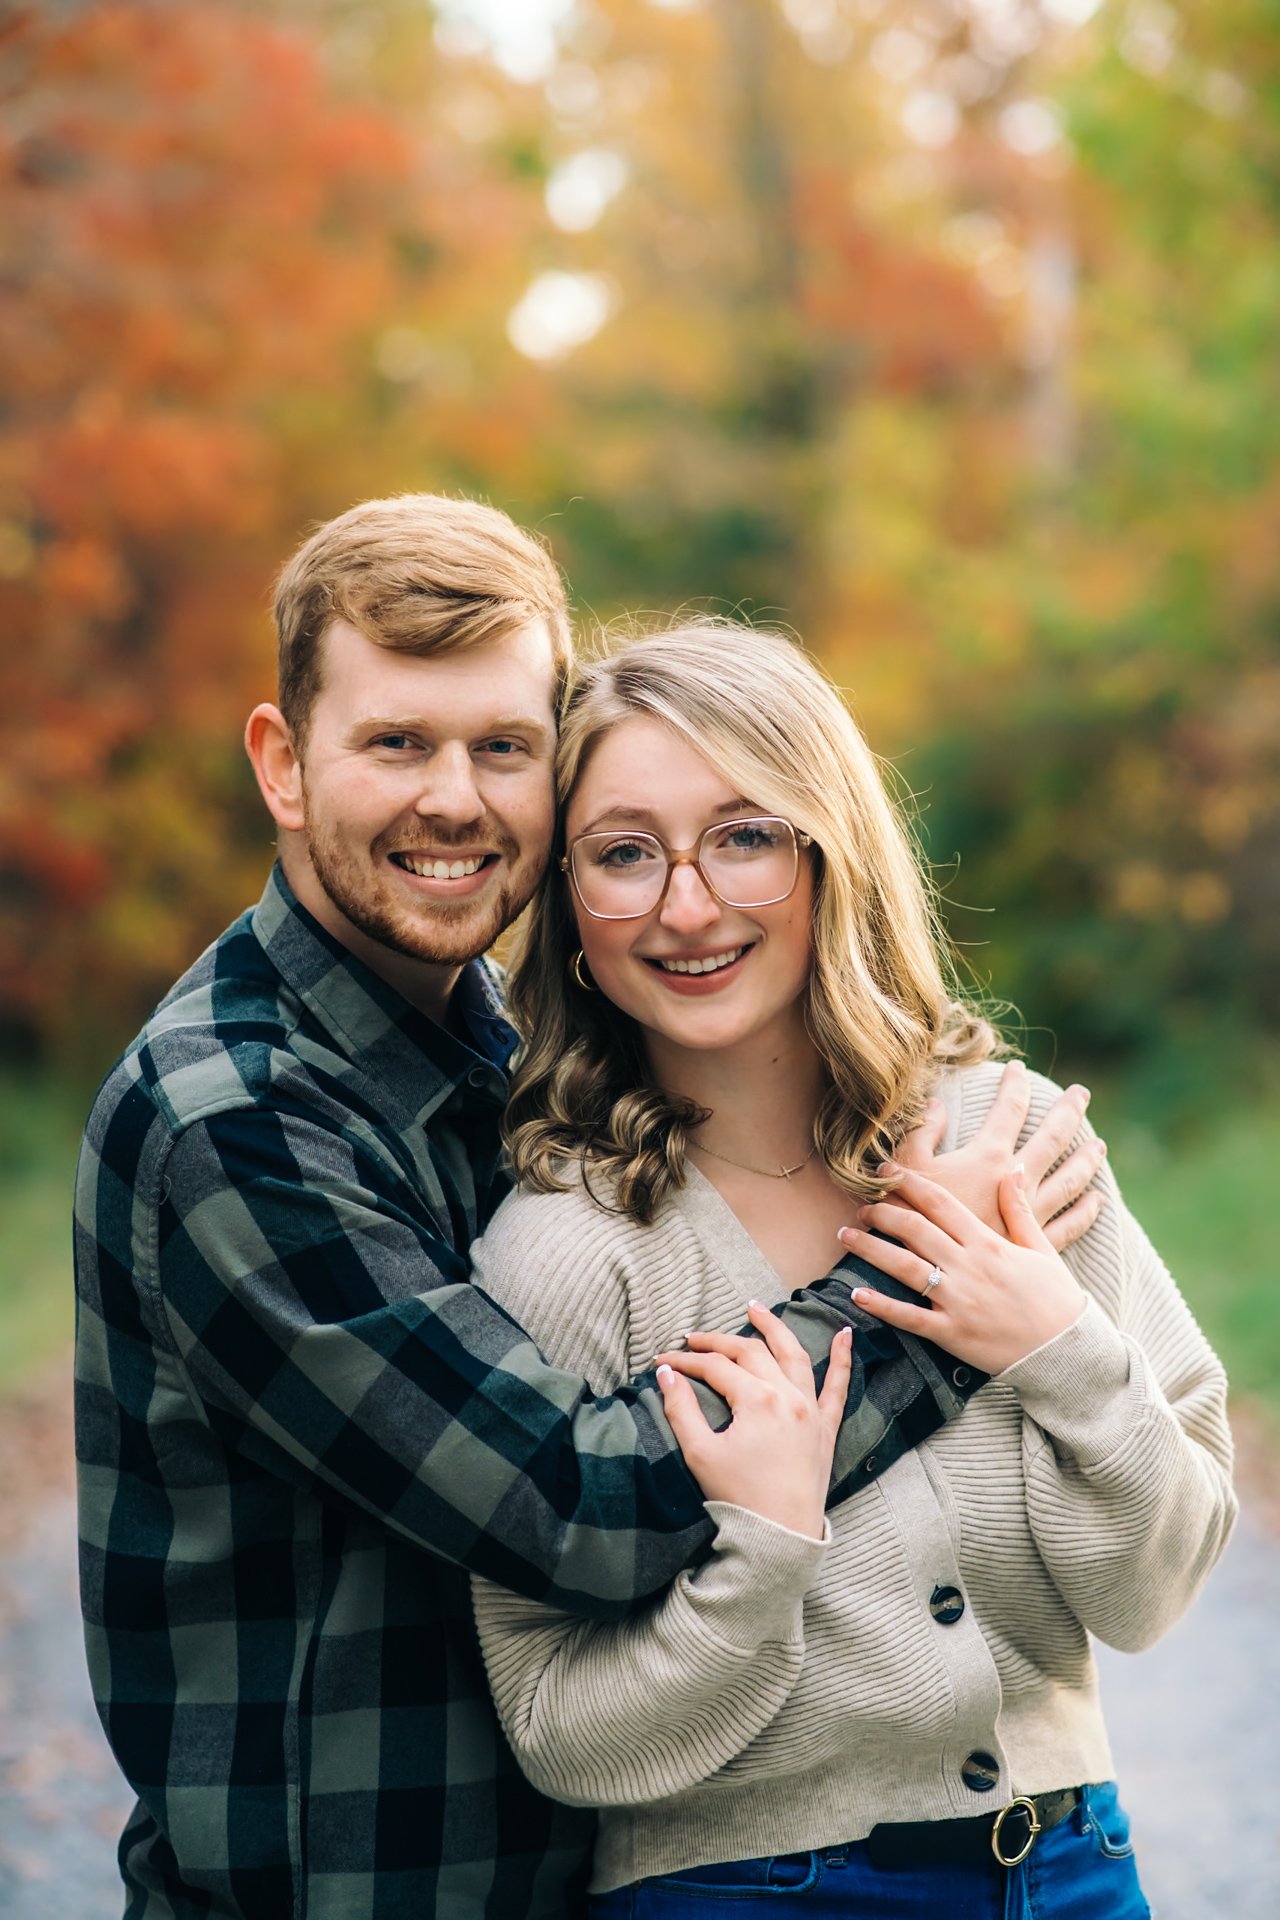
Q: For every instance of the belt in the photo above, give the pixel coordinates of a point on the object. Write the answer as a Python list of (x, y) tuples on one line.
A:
[(1009, 1834)]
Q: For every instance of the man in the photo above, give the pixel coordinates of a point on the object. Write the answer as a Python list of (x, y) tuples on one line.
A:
[(298, 1426)]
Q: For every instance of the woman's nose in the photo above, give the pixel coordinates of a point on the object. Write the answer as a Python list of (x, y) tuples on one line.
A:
[(689, 906)]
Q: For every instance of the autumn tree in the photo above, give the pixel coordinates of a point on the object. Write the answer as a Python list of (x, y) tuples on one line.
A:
[(1106, 760), (211, 252)]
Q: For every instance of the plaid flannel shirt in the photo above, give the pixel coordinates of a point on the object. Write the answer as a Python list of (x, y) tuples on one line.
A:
[(298, 1426)]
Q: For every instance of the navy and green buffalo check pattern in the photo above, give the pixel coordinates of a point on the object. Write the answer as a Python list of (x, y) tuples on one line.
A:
[(299, 1427)]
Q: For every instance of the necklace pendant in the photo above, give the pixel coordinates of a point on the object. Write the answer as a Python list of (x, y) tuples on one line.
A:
[(765, 1173)]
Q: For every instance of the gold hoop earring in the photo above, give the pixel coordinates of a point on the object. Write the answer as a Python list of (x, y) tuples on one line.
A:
[(576, 969)]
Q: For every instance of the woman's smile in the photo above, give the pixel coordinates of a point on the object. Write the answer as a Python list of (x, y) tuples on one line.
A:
[(702, 971)]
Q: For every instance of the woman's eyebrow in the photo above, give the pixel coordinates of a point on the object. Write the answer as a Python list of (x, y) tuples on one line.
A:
[(629, 816), (644, 816)]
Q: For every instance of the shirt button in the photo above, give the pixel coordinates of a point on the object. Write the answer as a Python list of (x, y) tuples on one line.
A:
[(946, 1604), (478, 1077), (980, 1772), (869, 1464), (961, 1377)]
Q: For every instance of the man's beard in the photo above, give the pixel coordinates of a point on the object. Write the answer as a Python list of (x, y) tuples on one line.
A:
[(441, 932)]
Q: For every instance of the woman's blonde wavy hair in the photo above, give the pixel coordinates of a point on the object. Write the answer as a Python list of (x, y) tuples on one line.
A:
[(881, 1010)]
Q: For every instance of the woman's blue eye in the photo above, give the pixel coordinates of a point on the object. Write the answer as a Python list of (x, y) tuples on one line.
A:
[(623, 853), (750, 839)]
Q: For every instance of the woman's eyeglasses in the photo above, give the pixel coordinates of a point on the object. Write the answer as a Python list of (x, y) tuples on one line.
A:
[(741, 863)]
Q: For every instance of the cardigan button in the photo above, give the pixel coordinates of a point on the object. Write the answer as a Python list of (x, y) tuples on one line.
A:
[(980, 1772), (946, 1604)]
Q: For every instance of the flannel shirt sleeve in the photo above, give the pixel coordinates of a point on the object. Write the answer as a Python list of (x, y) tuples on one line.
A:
[(901, 1389), (322, 1337)]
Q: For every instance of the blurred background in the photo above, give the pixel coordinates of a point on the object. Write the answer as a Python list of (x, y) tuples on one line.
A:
[(944, 331)]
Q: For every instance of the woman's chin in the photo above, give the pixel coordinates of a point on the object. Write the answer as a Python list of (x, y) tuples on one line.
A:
[(699, 1027)]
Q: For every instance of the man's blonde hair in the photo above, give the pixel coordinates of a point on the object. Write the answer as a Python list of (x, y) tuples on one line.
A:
[(418, 573), (880, 1007)]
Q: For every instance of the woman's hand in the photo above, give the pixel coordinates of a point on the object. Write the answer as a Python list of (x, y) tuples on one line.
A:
[(995, 1300), (774, 1457), (1062, 1201)]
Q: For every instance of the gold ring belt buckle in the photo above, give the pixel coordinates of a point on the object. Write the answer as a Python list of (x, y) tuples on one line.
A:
[(1029, 1808)]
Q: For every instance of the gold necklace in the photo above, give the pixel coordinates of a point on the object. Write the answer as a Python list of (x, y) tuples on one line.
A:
[(765, 1173)]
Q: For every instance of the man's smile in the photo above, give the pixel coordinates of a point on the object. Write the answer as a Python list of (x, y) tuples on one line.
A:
[(430, 866), (445, 874)]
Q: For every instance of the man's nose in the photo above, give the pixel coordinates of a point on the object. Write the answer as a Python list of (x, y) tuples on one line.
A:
[(689, 907), (449, 791)]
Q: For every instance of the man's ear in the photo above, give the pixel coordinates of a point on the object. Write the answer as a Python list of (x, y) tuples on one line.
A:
[(274, 758)]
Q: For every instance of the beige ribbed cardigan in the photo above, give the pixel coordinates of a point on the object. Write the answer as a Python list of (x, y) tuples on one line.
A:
[(789, 1695)]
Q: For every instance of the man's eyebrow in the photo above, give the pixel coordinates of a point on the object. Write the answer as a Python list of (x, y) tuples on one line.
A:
[(423, 723), (385, 723), (644, 816)]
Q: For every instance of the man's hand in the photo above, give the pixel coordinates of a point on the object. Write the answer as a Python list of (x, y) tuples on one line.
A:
[(774, 1457), (973, 1173)]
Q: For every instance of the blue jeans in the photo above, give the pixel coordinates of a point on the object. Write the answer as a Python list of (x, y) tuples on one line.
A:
[(1083, 1869)]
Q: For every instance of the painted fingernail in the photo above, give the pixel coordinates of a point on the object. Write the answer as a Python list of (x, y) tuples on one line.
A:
[(665, 1376), (888, 1166), (860, 1294), (1082, 1094), (847, 1234)]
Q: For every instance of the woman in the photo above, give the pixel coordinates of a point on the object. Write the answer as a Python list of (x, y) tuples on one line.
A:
[(736, 1008)]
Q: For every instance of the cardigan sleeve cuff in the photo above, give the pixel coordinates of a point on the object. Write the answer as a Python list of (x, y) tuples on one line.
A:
[(751, 1589), (1084, 1387)]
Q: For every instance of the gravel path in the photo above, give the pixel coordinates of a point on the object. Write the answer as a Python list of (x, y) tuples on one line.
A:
[(1192, 1724)]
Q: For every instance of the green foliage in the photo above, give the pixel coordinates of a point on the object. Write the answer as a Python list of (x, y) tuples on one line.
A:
[(1205, 1202), (39, 1138)]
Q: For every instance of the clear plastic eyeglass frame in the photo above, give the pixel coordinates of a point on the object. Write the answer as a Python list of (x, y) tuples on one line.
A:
[(687, 857)]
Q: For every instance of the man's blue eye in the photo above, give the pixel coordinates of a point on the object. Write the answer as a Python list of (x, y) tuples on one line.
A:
[(504, 747), (392, 740)]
